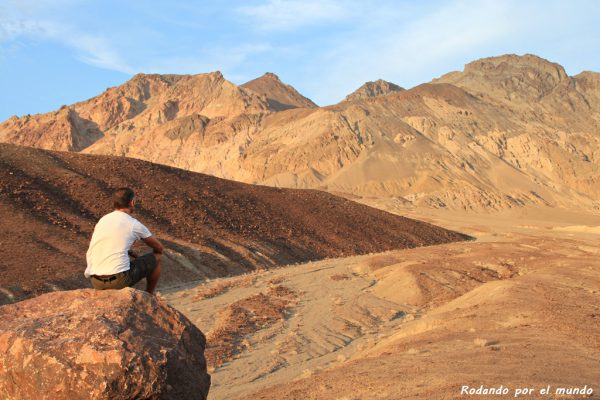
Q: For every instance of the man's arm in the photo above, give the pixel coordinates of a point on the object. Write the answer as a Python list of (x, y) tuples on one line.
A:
[(153, 242)]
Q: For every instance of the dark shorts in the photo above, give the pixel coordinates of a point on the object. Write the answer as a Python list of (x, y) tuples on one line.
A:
[(139, 268)]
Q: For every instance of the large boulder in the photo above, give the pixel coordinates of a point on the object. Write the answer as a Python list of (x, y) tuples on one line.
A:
[(88, 344)]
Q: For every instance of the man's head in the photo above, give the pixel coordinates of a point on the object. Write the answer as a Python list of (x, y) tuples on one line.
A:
[(123, 199)]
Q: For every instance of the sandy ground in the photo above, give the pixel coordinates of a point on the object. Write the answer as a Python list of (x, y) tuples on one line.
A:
[(518, 307)]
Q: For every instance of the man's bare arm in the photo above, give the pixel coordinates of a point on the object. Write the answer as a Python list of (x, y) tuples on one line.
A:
[(153, 242)]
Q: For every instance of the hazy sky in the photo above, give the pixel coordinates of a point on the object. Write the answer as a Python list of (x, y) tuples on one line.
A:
[(55, 52)]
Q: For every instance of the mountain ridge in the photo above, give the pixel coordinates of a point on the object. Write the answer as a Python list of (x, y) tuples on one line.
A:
[(507, 131)]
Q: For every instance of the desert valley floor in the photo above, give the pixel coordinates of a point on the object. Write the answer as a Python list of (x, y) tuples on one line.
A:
[(517, 307)]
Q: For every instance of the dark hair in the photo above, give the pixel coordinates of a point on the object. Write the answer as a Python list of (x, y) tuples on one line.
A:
[(122, 198)]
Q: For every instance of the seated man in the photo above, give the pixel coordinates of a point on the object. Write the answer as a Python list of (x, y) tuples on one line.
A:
[(108, 265)]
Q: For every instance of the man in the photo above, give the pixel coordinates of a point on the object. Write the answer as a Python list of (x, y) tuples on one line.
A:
[(108, 265)]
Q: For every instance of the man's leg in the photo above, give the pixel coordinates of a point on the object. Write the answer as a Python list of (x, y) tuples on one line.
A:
[(152, 279), (146, 266)]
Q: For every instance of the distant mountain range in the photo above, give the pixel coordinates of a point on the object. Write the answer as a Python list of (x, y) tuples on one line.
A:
[(506, 132)]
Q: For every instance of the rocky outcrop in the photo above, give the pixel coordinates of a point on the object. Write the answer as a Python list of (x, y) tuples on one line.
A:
[(87, 344), (374, 89)]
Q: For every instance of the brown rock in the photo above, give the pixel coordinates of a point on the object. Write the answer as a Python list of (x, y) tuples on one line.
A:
[(87, 344)]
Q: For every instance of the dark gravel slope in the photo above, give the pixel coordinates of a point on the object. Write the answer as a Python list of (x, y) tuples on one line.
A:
[(50, 201)]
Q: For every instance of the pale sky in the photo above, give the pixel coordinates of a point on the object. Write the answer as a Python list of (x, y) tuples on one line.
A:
[(55, 52)]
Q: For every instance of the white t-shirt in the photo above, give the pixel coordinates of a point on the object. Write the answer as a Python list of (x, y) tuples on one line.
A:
[(112, 238)]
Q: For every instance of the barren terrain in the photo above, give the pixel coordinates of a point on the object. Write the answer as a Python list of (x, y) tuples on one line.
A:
[(50, 202), (518, 307), (306, 295)]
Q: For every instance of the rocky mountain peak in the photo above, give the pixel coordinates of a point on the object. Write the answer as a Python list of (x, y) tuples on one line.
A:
[(271, 75), (514, 61), (374, 89), (280, 96), (510, 76)]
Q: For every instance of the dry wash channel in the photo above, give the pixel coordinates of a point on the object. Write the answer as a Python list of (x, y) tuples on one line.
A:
[(415, 323)]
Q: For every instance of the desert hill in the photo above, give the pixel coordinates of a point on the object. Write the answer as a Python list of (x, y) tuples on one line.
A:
[(508, 131), (50, 202), (374, 89), (279, 95)]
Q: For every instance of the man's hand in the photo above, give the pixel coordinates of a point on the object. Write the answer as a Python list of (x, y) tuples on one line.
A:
[(132, 254), (152, 242)]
